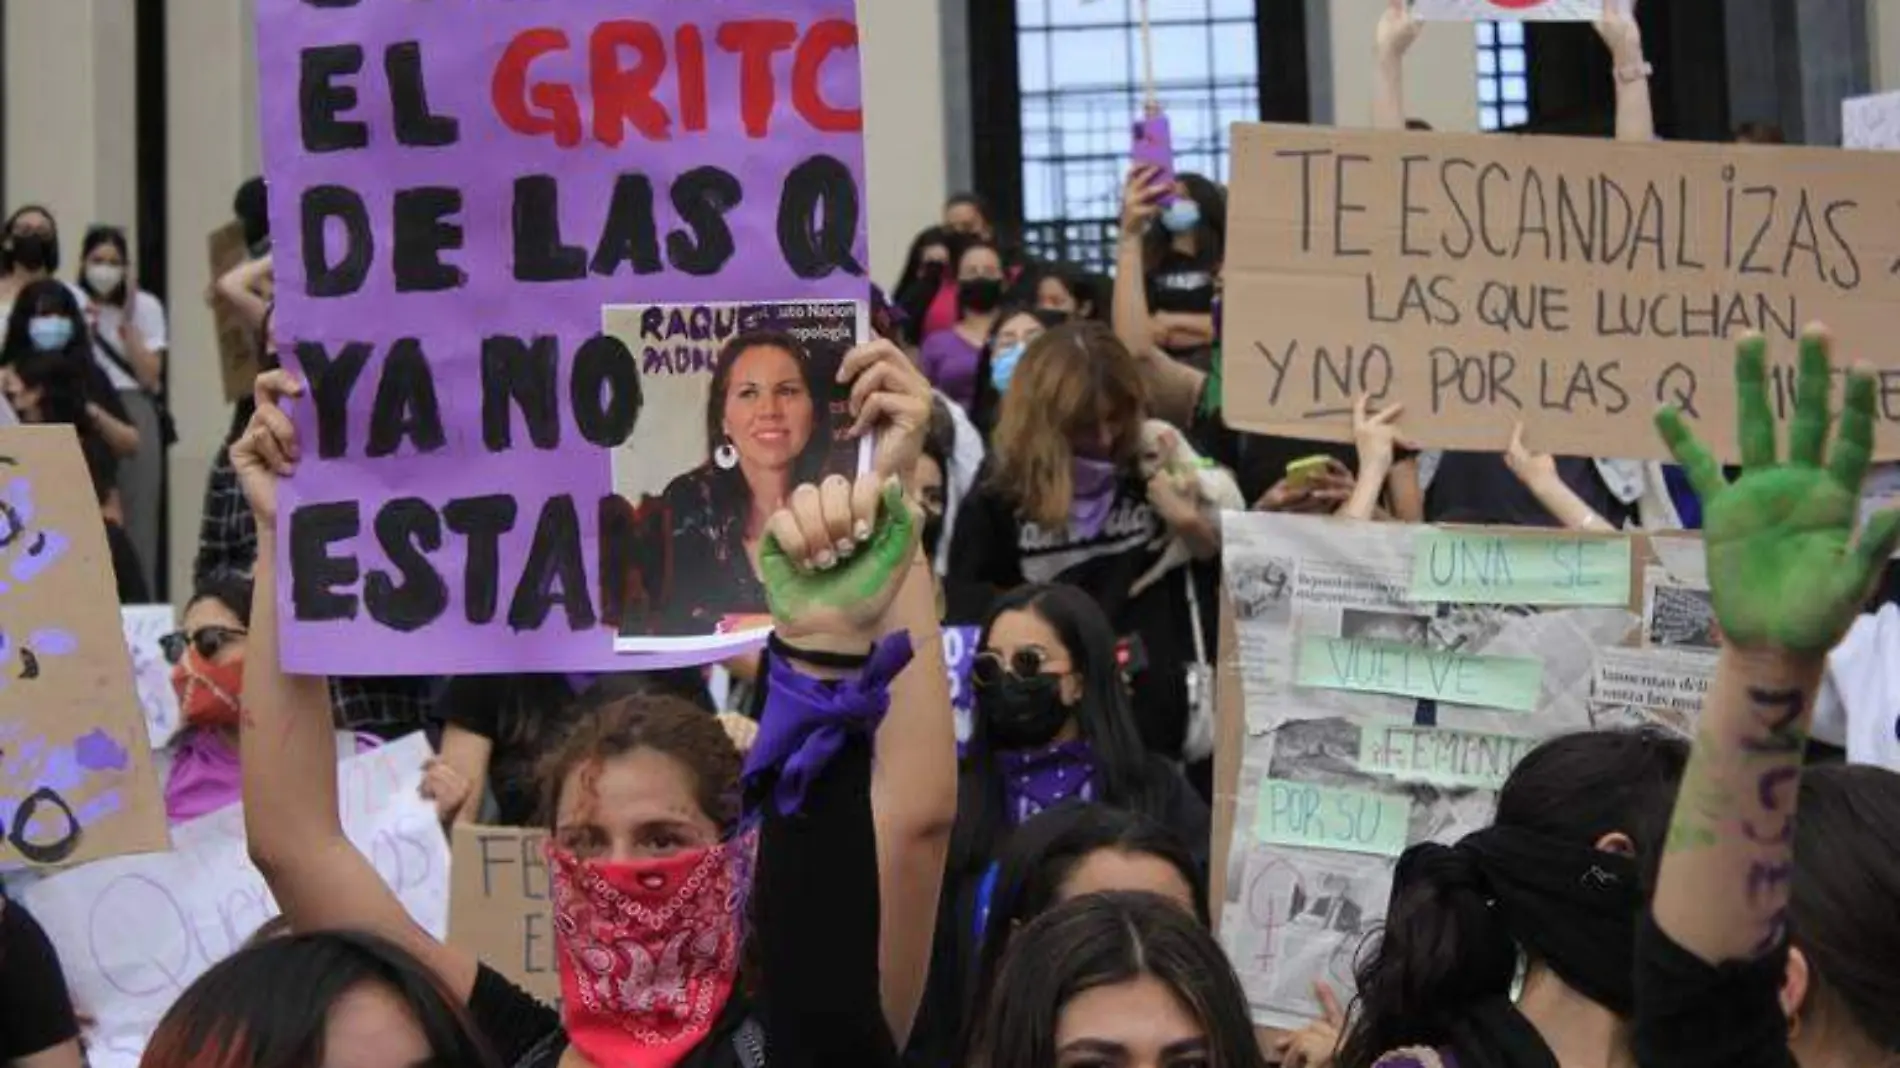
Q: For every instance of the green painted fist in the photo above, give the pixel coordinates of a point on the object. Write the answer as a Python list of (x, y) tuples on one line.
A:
[(834, 558), (1785, 571)]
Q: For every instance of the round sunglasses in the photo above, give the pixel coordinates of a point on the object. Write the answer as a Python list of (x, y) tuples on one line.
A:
[(209, 641), (991, 668)]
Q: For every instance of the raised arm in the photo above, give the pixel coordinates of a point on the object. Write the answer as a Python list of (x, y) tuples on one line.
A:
[(1635, 119), (240, 289), (1174, 389), (1397, 30), (288, 746), (1786, 578), (1376, 436), (1538, 473), (914, 782)]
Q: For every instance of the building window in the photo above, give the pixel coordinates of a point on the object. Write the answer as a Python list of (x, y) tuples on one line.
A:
[(1504, 92), (1080, 80)]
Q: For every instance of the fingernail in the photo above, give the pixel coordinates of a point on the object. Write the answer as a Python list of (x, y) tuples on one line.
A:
[(825, 560), (846, 547), (863, 530)]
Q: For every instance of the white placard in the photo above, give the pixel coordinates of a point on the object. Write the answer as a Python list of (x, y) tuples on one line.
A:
[(144, 625), (134, 932), (1871, 122), (1508, 10)]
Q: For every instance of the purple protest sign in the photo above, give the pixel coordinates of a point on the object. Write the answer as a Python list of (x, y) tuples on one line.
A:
[(457, 191), (960, 645)]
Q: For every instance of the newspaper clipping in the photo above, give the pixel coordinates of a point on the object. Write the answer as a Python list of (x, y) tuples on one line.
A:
[(1386, 701)]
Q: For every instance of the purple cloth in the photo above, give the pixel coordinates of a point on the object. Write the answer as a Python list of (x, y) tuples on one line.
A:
[(806, 720), (1095, 483), (950, 362), (1037, 779), (205, 775)]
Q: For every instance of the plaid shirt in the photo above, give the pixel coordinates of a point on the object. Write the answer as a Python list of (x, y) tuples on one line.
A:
[(227, 541)]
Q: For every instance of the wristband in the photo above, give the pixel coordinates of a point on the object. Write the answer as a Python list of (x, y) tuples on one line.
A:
[(830, 661), (1634, 72)]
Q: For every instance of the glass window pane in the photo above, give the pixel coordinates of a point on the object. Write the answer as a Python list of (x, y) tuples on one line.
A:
[(1032, 62), (1031, 14), (1516, 91), (1487, 62), (1487, 118), (1237, 54), (1182, 53), (1510, 33), (1171, 10), (1516, 115), (1488, 91), (1511, 60), (1487, 34), (1086, 12), (1089, 58)]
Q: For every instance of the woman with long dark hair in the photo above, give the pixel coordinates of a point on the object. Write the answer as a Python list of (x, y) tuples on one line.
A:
[(38, 1028), (1560, 876), (29, 252), (314, 1000), (927, 291), (1052, 726), (47, 320), (1065, 853), (1120, 979), (949, 356), (1773, 941)]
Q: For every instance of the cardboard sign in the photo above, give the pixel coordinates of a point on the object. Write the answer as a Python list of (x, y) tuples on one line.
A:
[(237, 345), (1575, 285), (144, 626), (76, 780), (1508, 10), (1871, 122), (498, 905), (457, 191), (134, 932)]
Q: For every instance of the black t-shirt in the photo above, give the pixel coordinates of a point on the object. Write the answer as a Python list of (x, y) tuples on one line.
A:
[(1181, 284), (520, 715), (36, 1013), (994, 550), (1477, 487)]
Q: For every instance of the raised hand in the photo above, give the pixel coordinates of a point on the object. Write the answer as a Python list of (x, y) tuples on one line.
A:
[(891, 396), (1619, 30), (1785, 570), (1398, 29), (834, 558), (267, 450), (1141, 199), (1531, 468)]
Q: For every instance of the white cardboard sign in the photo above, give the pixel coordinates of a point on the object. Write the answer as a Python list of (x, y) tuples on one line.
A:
[(134, 932)]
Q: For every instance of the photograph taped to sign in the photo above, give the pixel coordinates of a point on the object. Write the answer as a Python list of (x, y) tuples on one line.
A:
[(1574, 285), (76, 776), (1335, 778), (1508, 10), (742, 405), (472, 206)]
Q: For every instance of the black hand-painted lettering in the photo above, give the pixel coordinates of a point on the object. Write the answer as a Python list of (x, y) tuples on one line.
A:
[(1343, 208), (322, 277), (605, 391), (1308, 191), (524, 372), (818, 219), (539, 255), (405, 407), (1677, 385), (331, 381), (482, 521), (319, 581), (321, 100), (408, 530), (702, 197), (1749, 266), (555, 573), (630, 234), (416, 125), (427, 223)]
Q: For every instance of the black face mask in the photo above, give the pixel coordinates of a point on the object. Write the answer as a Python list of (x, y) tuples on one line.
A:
[(1022, 713), (980, 295), (33, 251)]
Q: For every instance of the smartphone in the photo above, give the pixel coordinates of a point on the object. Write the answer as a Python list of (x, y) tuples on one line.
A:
[(1304, 472), (1154, 146)]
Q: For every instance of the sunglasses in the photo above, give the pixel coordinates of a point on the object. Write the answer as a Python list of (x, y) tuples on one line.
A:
[(209, 641), (991, 669)]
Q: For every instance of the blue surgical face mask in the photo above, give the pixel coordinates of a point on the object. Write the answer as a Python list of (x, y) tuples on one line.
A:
[(1003, 365), (50, 333), (1181, 216)]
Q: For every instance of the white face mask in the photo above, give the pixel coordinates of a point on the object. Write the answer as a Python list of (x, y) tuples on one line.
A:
[(103, 278)]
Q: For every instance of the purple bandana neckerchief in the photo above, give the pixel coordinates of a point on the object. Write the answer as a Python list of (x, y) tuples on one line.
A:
[(1095, 482), (1036, 779), (806, 720)]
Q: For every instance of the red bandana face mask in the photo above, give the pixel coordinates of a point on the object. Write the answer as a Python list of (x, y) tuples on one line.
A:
[(209, 695), (648, 951)]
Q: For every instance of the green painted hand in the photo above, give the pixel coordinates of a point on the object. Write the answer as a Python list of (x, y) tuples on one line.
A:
[(1785, 571), (848, 600)]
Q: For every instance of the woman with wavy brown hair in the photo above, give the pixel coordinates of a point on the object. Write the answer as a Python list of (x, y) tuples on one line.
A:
[(1063, 500)]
